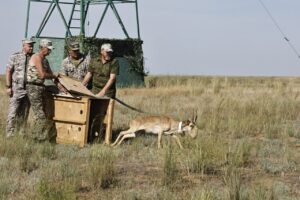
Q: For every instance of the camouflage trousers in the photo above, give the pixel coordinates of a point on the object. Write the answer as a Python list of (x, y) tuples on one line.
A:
[(18, 111), (43, 126)]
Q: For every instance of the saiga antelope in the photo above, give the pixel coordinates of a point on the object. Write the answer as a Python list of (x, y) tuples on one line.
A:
[(159, 125)]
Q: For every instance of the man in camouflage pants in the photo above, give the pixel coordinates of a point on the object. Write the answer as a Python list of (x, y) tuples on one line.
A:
[(15, 88), (38, 70), (76, 64)]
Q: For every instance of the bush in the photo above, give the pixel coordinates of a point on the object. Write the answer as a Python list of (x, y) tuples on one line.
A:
[(102, 167), (170, 170), (54, 190)]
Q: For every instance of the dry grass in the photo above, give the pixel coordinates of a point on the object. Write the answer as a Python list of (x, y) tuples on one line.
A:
[(247, 147)]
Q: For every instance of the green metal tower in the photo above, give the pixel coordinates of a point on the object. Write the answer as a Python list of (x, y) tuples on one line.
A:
[(73, 14), (82, 7)]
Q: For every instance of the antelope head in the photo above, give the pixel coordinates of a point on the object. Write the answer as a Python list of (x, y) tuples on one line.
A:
[(190, 127)]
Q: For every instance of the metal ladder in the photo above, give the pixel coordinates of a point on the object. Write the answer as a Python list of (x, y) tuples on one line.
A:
[(75, 9)]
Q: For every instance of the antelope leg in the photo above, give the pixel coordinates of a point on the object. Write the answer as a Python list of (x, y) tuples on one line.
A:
[(122, 133), (131, 135), (159, 139), (177, 141)]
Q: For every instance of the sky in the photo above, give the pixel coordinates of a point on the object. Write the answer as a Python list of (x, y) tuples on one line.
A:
[(195, 37)]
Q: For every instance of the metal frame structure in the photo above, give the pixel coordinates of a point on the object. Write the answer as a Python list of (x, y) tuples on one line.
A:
[(81, 6)]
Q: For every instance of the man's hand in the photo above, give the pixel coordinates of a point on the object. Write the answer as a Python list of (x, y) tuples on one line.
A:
[(9, 92), (87, 78), (62, 88), (56, 75), (101, 93)]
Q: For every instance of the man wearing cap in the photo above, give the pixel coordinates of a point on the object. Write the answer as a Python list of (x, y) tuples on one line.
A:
[(38, 70), (76, 64), (104, 71), (15, 88)]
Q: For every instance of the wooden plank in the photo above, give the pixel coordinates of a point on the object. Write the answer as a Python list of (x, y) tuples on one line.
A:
[(75, 86), (67, 121), (88, 108), (68, 133), (109, 116), (70, 111), (58, 97)]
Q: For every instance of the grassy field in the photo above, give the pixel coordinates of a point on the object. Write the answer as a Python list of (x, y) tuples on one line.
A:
[(247, 147)]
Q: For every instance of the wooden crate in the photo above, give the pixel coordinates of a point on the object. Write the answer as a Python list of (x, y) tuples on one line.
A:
[(76, 118)]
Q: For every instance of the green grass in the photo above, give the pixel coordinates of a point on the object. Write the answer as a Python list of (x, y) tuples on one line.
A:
[(247, 147)]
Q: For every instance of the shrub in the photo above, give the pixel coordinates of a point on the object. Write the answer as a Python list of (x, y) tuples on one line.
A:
[(232, 180), (54, 190), (102, 167), (170, 170)]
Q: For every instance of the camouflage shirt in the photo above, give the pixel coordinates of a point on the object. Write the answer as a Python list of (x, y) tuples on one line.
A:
[(16, 64), (101, 74), (75, 68), (32, 73)]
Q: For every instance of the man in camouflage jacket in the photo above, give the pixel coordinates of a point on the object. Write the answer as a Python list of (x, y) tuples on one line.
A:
[(76, 64), (15, 88)]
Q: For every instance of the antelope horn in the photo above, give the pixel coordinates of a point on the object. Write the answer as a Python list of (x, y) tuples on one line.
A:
[(195, 116)]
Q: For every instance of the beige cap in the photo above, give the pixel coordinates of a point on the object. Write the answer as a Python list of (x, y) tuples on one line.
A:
[(46, 43), (106, 47), (28, 41), (74, 46)]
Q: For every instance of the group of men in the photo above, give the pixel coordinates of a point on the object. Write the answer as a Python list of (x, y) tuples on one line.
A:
[(26, 73)]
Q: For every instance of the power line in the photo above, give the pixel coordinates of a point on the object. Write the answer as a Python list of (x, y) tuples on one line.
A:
[(279, 29)]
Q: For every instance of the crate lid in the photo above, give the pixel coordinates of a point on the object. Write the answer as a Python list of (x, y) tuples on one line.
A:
[(74, 86)]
